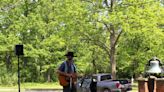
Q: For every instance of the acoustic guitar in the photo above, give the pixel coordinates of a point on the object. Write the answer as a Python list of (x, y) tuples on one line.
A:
[(65, 81)]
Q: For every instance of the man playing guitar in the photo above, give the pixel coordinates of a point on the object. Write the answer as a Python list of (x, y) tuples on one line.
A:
[(67, 74)]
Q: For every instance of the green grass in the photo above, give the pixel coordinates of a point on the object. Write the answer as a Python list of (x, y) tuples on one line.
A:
[(43, 86), (135, 87), (34, 85), (30, 86)]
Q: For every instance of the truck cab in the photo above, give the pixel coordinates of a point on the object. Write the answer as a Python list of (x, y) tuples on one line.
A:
[(101, 77)]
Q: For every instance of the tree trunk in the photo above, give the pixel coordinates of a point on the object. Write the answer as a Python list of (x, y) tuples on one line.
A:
[(94, 66), (8, 61), (48, 76), (94, 62), (112, 52)]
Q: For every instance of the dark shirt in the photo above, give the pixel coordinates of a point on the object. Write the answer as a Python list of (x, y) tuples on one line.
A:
[(69, 68)]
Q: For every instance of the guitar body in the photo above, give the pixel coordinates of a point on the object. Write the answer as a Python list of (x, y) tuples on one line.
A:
[(63, 80)]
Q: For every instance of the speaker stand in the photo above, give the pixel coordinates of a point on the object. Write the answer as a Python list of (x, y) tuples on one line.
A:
[(18, 75)]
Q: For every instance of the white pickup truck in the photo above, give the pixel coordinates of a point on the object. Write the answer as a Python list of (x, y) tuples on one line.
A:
[(99, 83)]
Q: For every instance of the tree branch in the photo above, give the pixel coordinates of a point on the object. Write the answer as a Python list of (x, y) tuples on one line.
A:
[(98, 43), (117, 38)]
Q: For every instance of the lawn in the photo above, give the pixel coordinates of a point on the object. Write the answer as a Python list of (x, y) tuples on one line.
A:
[(135, 87), (42, 86), (30, 86)]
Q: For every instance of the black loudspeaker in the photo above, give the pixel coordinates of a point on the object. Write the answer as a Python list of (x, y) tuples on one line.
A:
[(19, 50)]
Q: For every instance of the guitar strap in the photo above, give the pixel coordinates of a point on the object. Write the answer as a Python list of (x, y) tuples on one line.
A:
[(70, 86)]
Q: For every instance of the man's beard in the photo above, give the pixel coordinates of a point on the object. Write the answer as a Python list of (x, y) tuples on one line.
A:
[(70, 59)]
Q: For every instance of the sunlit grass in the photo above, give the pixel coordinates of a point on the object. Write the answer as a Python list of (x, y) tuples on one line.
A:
[(54, 85), (135, 87), (41, 85), (44, 86), (23, 86)]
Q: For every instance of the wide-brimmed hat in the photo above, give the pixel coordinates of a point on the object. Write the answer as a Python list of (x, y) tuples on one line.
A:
[(69, 54)]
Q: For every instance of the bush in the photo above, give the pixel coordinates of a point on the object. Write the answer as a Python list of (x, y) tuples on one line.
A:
[(8, 78)]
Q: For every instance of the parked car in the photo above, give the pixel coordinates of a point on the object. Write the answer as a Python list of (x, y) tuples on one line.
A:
[(126, 85), (98, 83)]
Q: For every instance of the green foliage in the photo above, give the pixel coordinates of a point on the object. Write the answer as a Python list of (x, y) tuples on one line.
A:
[(135, 51), (7, 78), (50, 28)]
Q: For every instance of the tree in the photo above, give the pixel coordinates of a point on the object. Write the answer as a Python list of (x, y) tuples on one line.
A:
[(100, 32), (114, 17)]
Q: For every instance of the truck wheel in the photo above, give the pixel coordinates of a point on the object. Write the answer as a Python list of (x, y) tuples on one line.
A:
[(106, 90)]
